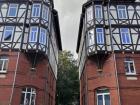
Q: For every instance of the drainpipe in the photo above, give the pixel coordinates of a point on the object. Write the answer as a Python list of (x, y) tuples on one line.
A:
[(114, 56), (13, 86), (117, 80)]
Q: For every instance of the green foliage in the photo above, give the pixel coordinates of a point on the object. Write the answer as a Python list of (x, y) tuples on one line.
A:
[(68, 82)]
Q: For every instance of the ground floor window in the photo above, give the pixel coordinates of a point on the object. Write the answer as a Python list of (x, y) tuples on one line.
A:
[(103, 97), (28, 96)]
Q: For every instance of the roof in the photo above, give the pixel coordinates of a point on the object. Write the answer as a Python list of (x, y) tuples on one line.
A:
[(57, 28)]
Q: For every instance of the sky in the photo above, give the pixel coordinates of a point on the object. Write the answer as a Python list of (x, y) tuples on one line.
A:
[(69, 18)]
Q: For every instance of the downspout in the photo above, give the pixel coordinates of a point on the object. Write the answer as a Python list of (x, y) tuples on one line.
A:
[(13, 86), (15, 74), (114, 56), (117, 80)]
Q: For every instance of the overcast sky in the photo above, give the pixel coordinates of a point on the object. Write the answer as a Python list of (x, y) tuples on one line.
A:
[(69, 16)]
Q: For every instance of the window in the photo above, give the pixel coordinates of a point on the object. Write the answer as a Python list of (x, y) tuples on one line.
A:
[(98, 12), (42, 38), (125, 36), (91, 37), (28, 96), (103, 97), (3, 64), (122, 12), (45, 12), (89, 13), (129, 66), (100, 35), (12, 12), (36, 10), (33, 34), (8, 33)]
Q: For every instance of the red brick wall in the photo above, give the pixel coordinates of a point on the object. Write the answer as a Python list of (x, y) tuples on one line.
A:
[(42, 80), (129, 89), (106, 78), (6, 83)]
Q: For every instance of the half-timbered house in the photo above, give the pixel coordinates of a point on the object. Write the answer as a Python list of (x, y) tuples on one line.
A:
[(29, 45), (108, 47)]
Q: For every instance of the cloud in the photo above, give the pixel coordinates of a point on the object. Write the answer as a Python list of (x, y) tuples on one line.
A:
[(69, 16)]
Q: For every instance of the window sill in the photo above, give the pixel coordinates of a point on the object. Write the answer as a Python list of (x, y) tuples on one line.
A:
[(2, 75), (131, 74), (11, 16), (132, 78)]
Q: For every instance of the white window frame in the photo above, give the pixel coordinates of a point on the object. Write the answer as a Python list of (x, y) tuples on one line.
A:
[(103, 95), (45, 36), (125, 38), (122, 13), (129, 62), (12, 7), (4, 60), (34, 10), (98, 12), (31, 94), (91, 38), (45, 13), (98, 38), (89, 13), (13, 28), (35, 36)]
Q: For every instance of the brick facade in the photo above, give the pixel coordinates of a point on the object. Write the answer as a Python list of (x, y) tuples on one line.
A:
[(124, 89), (42, 79)]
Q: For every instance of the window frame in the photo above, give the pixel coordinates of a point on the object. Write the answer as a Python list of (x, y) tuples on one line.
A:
[(103, 96), (44, 43), (25, 92), (33, 7), (91, 37), (30, 33), (13, 29), (3, 63), (98, 12), (122, 12), (125, 41), (129, 67), (8, 15), (98, 38), (89, 17), (46, 13)]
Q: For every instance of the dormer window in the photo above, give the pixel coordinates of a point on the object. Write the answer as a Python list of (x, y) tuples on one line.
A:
[(33, 34), (12, 12), (125, 36), (36, 10), (122, 14), (100, 35), (98, 12), (8, 33)]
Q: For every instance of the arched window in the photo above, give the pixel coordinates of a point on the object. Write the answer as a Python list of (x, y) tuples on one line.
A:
[(3, 64), (28, 96), (103, 97)]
